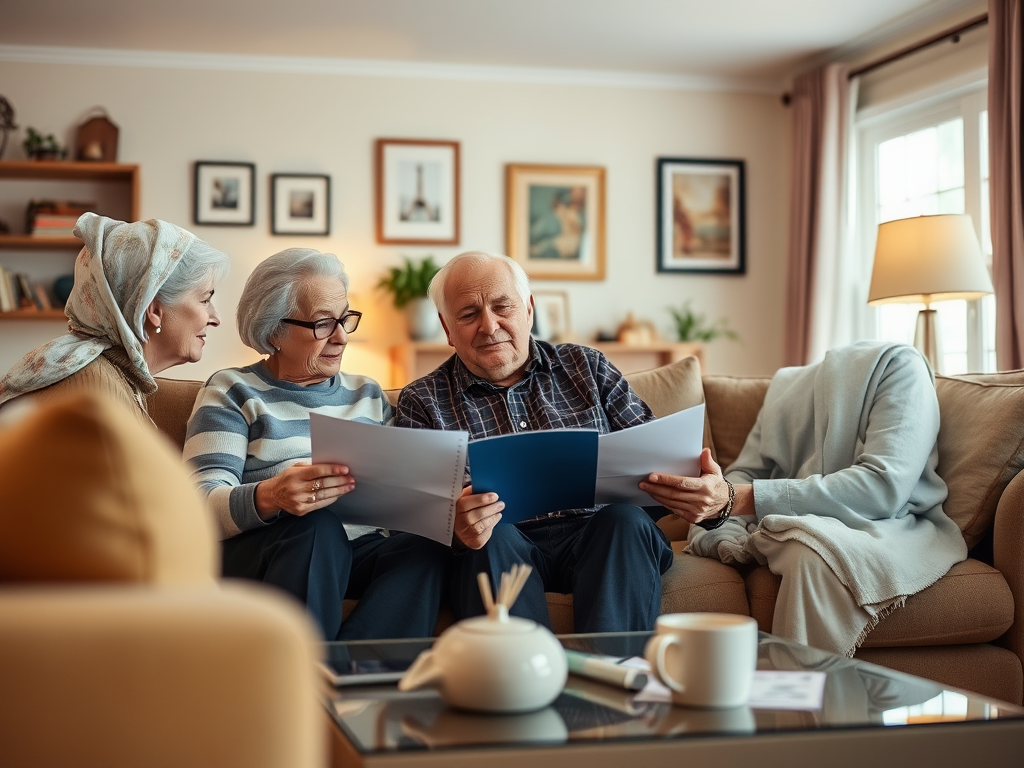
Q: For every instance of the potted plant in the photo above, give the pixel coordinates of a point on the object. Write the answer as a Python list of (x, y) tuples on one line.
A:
[(40, 147), (408, 285), (694, 326)]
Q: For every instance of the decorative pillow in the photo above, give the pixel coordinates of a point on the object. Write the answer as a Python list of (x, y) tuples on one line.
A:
[(92, 494), (672, 388), (733, 405), (981, 444)]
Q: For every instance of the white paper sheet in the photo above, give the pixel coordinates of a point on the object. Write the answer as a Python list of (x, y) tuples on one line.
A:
[(671, 444), (771, 689), (406, 479)]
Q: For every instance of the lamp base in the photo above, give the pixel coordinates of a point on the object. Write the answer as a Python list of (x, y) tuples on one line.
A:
[(926, 337)]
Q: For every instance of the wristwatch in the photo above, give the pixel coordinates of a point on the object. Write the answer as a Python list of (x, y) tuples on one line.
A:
[(714, 522)]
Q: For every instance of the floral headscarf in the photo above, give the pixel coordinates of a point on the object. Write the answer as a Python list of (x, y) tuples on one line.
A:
[(117, 276)]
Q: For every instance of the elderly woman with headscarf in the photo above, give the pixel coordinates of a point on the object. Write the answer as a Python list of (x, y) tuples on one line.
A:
[(249, 442), (141, 303)]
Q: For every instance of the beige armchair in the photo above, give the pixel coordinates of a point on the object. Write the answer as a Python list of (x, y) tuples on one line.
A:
[(118, 648)]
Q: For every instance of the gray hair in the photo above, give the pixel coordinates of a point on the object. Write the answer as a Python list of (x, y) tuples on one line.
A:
[(437, 287), (271, 292), (199, 263)]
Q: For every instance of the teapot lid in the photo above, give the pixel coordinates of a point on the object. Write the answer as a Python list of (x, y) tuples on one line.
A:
[(488, 625)]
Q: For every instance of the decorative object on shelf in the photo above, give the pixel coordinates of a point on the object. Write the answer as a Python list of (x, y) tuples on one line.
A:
[(636, 333), (5, 228), (96, 138), (493, 663), (551, 316), (62, 288), (6, 123), (554, 220), (408, 288), (691, 325), (300, 204), (417, 188), (40, 147), (925, 259), (701, 216), (224, 193)]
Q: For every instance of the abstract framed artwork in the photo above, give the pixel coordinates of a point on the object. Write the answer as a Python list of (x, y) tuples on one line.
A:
[(417, 191), (554, 220), (551, 316), (701, 216), (300, 204), (224, 193)]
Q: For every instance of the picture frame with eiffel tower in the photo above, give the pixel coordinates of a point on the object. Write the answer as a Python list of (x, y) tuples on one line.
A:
[(417, 191)]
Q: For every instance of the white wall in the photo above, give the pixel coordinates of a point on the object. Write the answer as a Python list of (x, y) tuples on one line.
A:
[(327, 123)]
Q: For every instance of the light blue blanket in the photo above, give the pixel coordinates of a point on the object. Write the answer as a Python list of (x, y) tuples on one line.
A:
[(842, 459)]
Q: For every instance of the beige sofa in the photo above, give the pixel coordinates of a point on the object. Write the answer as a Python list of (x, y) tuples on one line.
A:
[(118, 646), (966, 630)]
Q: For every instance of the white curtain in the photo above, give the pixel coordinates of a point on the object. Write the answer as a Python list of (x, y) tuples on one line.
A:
[(821, 305)]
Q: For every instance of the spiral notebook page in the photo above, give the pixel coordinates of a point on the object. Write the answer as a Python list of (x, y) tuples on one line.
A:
[(406, 479)]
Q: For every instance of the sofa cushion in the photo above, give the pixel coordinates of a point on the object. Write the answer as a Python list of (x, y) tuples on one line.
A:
[(171, 405), (93, 494), (981, 444), (672, 388), (733, 404), (970, 604)]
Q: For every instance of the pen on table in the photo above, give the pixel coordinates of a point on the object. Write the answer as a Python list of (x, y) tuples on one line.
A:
[(585, 665)]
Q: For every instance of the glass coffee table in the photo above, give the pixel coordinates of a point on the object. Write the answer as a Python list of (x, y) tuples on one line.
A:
[(865, 715)]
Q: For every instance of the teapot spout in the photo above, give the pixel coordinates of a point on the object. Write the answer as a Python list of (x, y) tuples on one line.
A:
[(424, 672)]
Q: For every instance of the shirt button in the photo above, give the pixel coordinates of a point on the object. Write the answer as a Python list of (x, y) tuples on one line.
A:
[(522, 424)]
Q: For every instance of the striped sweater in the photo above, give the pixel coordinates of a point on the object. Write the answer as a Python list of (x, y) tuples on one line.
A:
[(248, 426)]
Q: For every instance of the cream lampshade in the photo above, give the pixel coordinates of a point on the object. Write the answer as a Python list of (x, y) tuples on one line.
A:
[(926, 259)]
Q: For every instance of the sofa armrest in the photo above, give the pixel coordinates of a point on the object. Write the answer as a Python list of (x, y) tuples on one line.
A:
[(131, 676), (1008, 557)]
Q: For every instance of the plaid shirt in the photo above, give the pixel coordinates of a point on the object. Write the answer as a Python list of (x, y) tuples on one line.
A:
[(564, 386)]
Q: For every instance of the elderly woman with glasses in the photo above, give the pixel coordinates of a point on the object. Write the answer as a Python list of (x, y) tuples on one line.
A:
[(248, 441)]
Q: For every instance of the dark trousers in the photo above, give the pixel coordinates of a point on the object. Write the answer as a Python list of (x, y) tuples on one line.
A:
[(399, 580), (610, 561)]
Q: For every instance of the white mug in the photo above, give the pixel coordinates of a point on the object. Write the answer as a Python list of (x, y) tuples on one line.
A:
[(705, 659)]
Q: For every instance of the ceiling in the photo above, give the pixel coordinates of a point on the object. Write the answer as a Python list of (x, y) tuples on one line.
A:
[(765, 40)]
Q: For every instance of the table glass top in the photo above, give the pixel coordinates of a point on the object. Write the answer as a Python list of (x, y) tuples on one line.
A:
[(378, 719)]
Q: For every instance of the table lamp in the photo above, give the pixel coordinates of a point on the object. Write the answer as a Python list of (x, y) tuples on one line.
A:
[(927, 259)]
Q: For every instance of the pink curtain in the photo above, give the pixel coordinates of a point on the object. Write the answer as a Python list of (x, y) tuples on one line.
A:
[(1006, 163), (820, 119)]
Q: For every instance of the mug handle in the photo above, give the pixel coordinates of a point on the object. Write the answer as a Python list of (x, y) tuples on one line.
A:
[(655, 651)]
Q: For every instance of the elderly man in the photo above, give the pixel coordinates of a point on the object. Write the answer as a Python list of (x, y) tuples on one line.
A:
[(500, 381)]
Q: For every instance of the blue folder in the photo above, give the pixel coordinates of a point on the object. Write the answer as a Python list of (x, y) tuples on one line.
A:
[(536, 472)]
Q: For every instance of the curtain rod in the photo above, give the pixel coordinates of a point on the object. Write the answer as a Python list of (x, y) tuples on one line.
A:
[(953, 33)]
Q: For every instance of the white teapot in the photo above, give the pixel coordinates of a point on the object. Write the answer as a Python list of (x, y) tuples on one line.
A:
[(493, 663)]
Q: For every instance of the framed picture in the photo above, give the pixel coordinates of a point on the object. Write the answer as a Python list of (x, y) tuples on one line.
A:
[(701, 213), (551, 315), (224, 193), (300, 204), (554, 220), (417, 192)]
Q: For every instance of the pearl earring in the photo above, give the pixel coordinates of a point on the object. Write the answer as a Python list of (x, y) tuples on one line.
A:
[(158, 329)]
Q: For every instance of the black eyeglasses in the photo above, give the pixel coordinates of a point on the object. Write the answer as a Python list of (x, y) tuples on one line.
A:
[(324, 329)]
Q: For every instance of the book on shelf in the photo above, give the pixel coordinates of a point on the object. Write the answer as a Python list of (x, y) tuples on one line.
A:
[(55, 218), (7, 302), (42, 296), (26, 298)]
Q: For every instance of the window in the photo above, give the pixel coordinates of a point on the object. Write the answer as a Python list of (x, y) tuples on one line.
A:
[(928, 158)]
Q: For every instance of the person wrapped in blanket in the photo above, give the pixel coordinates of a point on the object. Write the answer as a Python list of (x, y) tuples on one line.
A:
[(836, 490)]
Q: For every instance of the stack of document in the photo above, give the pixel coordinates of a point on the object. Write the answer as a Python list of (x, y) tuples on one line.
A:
[(410, 479)]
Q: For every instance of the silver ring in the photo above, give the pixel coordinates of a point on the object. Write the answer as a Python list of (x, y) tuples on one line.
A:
[(316, 485), (312, 497)]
